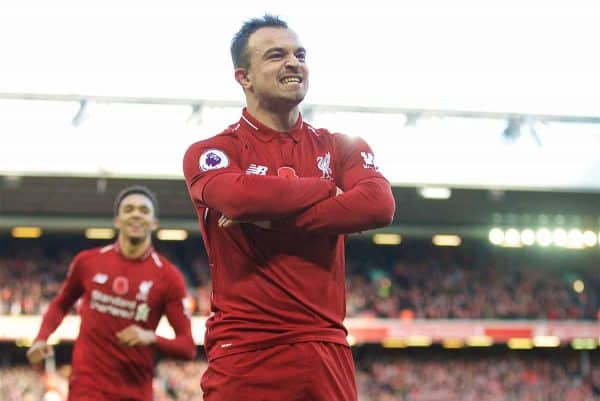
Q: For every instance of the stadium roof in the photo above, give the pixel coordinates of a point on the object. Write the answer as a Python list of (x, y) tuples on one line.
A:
[(111, 136), (71, 203), (460, 93)]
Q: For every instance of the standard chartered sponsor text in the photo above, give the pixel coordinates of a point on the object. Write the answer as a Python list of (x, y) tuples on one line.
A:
[(109, 299), (112, 310), (115, 306)]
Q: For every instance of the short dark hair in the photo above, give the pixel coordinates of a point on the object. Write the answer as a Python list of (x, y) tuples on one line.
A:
[(136, 189), (239, 43)]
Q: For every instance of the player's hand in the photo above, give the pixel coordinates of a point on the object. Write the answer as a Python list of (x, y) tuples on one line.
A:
[(338, 191), (39, 351), (135, 335), (266, 224), (226, 222)]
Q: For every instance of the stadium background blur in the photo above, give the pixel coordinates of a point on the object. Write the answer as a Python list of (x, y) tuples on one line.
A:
[(486, 285)]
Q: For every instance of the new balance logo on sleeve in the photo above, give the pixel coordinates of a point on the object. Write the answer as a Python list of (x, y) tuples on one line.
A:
[(257, 169)]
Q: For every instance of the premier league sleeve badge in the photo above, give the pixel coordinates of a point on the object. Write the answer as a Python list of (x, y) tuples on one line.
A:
[(213, 159)]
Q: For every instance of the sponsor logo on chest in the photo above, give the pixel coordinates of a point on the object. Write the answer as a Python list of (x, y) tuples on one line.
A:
[(116, 304)]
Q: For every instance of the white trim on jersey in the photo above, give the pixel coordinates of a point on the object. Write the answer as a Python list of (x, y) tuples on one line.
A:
[(156, 260), (205, 216), (249, 123), (312, 129), (107, 248)]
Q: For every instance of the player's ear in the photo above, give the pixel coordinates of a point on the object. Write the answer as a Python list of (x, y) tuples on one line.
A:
[(242, 76), (154, 224), (116, 223)]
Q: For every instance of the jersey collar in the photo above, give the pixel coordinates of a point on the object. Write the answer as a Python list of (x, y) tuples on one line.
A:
[(141, 258), (267, 134)]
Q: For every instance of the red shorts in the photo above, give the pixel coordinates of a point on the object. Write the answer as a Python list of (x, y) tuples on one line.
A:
[(309, 371)]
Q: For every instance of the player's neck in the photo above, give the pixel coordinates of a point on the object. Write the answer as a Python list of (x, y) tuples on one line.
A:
[(279, 120), (132, 249)]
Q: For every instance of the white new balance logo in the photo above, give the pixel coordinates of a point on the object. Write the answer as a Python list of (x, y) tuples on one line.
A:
[(100, 278), (257, 169)]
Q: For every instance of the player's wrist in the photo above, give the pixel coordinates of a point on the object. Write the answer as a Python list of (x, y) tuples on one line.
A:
[(333, 189), (150, 338)]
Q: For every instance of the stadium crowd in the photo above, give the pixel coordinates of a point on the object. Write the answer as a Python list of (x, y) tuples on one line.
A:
[(396, 282), (381, 376), (507, 377), (436, 290), (437, 285)]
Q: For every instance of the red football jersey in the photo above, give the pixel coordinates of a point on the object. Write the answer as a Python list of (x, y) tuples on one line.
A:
[(285, 284), (116, 292)]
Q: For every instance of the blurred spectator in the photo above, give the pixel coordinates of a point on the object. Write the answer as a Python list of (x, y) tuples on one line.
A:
[(422, 283), (431, 289), (513, 376), (384, 375)]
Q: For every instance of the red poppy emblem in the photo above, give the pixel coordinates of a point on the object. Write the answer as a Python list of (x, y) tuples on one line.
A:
[(287, 172), (120, 285)]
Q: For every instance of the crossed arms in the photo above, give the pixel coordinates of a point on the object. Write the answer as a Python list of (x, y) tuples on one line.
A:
[(311, 204)]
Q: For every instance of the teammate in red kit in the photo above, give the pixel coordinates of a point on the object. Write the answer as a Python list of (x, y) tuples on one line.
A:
[(275, 198), (124, 288)]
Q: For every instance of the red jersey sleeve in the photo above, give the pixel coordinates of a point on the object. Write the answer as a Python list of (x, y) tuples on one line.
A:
[(182, 346), (356, 161), (367, 201), (72, 288), (216, 180)]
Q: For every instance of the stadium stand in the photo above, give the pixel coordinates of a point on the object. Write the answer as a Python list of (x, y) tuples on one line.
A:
[(417, 282)]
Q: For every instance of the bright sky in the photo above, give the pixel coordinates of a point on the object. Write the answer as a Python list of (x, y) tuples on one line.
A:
[(523, 56), (534, 56)]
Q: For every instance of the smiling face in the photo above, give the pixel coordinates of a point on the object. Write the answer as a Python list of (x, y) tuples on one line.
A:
[(277, 77), (135, 219)]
